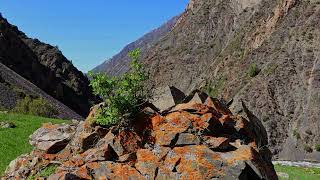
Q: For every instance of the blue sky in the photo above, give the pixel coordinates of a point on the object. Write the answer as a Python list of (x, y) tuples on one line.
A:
[(89, 32)]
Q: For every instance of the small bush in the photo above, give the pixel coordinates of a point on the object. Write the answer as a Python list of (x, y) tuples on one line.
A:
[(48, 171), (296, 134), (253, 70), (318, 147), (37, 107), (308, 149), (122, 94)]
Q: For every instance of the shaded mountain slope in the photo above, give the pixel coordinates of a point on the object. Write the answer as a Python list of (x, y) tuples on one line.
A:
[(12, 84), (119, 63), (214, 45), (46, 67)]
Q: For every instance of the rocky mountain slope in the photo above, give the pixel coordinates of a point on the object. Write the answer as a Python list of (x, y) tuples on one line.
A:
[(46, 67), (194, 140), (239, 49), (119, 63)]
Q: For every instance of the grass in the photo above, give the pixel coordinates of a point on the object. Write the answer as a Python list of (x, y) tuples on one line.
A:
[(48, 171), (14, 142), (298, 173)]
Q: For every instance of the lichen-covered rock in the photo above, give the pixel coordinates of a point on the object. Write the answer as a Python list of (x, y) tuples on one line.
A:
[(195, 140)]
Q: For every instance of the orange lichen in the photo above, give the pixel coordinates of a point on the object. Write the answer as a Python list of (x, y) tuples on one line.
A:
[(156, 121), (83, 173), (50, 126), (241, 154)]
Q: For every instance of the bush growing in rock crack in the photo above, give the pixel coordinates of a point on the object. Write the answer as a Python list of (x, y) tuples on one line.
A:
[(122, 94)]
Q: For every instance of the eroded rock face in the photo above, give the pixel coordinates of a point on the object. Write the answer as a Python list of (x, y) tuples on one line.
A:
[(195, 140)]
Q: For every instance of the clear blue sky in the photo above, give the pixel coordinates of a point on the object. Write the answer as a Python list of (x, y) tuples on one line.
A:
[(89, 32)]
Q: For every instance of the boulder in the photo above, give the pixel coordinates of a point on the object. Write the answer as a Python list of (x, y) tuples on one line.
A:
[(167, 97), (52, 138), (199, 139)]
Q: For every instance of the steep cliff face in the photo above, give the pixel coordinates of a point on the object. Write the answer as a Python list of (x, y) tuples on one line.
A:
[(46, 67), (214, 45), (119, 63)]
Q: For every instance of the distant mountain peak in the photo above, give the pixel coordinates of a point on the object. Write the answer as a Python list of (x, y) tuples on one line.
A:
[(119, 63)]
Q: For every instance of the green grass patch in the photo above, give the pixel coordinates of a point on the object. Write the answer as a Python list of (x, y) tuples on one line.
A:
[(14, 142), (48, 171), (299, 173)]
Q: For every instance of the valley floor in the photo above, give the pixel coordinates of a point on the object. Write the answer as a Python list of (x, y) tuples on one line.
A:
[(15, 141)]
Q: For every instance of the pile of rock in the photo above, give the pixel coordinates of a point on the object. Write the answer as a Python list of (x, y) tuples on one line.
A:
[(194, 140)]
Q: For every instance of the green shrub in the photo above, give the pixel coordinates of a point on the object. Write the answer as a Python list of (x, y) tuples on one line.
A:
[(296, 134), (318, 147), (37, 107), (253, 70), (122, 94)]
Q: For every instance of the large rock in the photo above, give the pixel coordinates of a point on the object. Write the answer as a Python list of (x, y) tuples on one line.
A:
[(167, 97), (200, 139), (52, 138)]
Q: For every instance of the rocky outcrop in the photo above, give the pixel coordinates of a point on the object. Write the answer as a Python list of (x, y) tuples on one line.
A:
[(200, 139), (119, 63), (44, 66)]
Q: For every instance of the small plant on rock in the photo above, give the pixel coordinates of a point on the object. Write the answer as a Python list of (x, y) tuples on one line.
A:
[(253, 70), (318, 147), (296, 134), (122, 94)]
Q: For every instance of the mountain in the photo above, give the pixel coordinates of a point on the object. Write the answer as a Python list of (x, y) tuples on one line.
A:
[(119, 63), (263, 52), (46, 67)]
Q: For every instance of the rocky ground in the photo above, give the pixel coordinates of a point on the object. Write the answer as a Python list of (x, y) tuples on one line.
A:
[(198, 139)]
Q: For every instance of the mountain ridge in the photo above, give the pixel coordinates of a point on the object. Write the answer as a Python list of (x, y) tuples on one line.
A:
[(119, 63)]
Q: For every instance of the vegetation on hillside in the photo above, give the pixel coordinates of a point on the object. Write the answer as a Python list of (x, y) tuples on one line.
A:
[(36, 107), (15, 141), (122, 94)]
